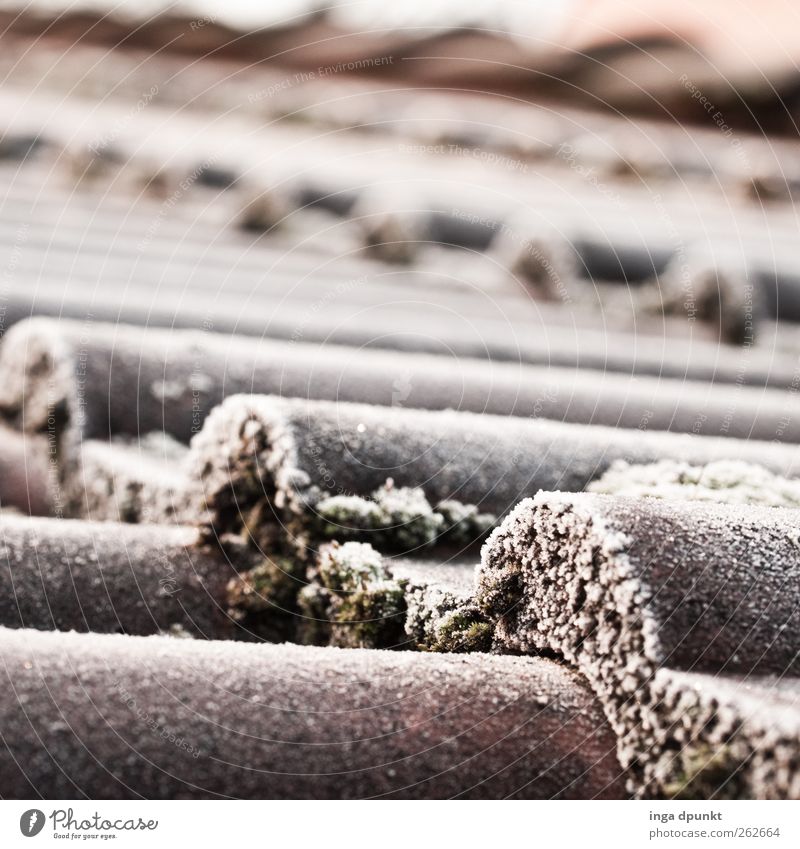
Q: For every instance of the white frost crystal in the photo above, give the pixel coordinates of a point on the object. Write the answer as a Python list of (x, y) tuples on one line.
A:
[(724, 481)]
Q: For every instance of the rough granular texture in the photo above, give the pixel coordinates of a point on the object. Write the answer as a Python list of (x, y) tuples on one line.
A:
[(123, 480), (623, 588), (351, 600), (106, 577), (353, 597), (442, 613), (266, 463), (541, 258), (725, 481), (727, 737), (84, 379), (124, 717)]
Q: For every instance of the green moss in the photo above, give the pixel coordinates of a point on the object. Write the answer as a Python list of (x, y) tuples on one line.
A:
[(372, 618), (262, 530), (463, 524), (463, 632), (442, 620), (399, 519), (351, 600), (394, 518), (272, 584), (348, 516), (349, 567), (706, 773), (500, 593)]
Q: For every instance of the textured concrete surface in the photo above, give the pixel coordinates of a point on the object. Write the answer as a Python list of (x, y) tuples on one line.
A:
[(124, 717), (623, 587)]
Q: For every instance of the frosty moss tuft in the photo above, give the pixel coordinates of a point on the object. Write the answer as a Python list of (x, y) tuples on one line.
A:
[(351, 600), (273, 583), (347, 568), (463, 631), (724, 481), (351, 597), (400, 519)]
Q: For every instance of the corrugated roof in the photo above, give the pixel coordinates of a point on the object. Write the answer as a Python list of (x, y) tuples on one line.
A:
[(280, 352)]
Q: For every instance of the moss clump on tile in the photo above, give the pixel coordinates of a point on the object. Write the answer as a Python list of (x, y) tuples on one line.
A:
[(463, 524), (392, 237), (351, 600), (372, 618), (314, 604), (400, 519), (393, 518), (439, 620), (352, 567), (345, 515), (706, 773), (464, 631), (265, 212), (724, 481), (501, 591)]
